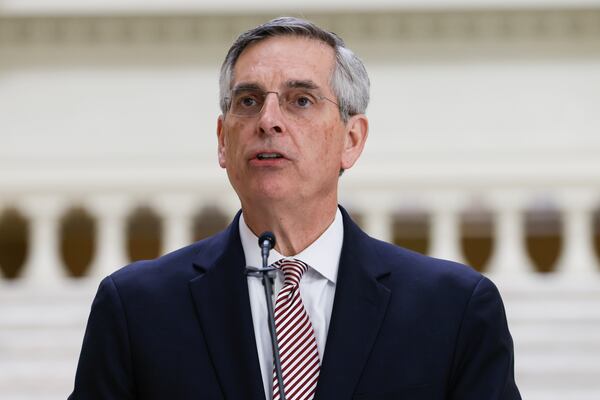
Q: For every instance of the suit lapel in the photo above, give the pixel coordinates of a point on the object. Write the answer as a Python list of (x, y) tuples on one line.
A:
[(222, 303), (358, 310)]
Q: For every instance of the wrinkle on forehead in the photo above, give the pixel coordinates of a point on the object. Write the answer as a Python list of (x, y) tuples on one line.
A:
[(284, 61)]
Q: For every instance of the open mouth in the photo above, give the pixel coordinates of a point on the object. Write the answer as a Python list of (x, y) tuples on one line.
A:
[(268, 156)]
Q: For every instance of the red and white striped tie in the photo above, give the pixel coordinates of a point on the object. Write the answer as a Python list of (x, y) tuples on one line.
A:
[(300, 364)]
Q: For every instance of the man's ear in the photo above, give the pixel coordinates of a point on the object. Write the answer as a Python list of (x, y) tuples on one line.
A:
[(221, 142), (357, 130)]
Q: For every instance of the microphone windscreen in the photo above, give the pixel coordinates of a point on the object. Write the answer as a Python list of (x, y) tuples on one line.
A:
[(268, 237)]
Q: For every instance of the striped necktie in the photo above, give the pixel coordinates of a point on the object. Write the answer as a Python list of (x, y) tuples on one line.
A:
[(300, 364)]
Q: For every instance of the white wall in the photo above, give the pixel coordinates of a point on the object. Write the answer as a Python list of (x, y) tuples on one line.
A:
[(483, 110)]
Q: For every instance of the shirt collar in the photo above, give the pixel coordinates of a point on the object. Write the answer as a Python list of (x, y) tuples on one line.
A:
[(323, 255)]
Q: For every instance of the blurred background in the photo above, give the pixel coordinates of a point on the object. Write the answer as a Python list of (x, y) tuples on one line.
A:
[(484, 148)]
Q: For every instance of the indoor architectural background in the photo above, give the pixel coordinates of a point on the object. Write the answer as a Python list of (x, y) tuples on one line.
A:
[(484, 148)]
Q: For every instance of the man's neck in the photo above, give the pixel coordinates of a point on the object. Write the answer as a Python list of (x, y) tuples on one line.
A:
[(295, 227)]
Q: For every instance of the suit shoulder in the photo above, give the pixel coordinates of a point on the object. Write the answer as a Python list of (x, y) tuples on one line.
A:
[(406, 265)]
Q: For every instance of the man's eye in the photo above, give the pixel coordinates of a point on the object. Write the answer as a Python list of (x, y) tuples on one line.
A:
[(303, 101), (247, 101)]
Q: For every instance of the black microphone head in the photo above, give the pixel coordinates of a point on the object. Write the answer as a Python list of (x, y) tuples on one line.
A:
[(269, 237)]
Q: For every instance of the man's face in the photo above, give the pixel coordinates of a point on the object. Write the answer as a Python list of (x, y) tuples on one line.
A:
[(310, 152)]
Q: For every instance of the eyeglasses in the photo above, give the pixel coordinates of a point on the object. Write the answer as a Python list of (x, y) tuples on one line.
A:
[(298, 103)]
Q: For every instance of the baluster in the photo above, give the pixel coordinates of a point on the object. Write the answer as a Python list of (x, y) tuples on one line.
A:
[(577, 258), (43, 265), (509, 255), (177, 213), (111, 212), (445, 233), (378, 223)]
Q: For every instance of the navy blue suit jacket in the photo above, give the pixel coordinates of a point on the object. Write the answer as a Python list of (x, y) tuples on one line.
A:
[(403, 326)]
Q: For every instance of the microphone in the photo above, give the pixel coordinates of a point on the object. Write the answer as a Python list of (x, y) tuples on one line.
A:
[(266, 242)]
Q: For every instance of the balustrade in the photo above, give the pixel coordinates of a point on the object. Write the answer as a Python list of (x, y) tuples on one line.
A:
[(43, 265)]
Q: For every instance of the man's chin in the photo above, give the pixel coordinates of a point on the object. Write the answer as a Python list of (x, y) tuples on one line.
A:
[(272, 193)]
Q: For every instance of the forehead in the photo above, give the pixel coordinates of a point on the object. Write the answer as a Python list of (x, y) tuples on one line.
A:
[(274, 61)]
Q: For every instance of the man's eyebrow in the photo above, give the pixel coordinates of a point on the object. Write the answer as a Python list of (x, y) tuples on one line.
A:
[(294, 84), (247, 86), (302, 84)]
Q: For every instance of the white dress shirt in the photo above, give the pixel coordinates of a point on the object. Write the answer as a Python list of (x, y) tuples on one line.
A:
[(317, 289)]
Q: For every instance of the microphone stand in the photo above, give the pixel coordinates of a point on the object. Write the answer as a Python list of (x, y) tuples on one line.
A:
[(266, 243)]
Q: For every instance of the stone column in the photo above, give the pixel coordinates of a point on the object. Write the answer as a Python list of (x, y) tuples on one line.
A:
[(378, 222), (111, 213), (509, 255), (445, 232), (577, 256), (44, 266), (177, 213)]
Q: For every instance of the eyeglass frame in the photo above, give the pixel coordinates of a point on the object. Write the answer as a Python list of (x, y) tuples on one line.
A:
[(294, 85)]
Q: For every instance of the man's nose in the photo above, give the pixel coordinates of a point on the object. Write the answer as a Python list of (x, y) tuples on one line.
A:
[(271, 116)]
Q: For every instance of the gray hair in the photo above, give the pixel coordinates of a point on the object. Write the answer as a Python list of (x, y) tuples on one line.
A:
[(349, 80)]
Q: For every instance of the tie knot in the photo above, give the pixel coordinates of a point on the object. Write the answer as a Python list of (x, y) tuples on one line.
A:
[(292, 269)]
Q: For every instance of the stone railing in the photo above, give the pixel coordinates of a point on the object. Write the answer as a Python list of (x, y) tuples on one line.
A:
[(576, 210)]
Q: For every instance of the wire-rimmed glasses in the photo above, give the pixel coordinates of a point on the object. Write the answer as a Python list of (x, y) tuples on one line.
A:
[(299, 103)]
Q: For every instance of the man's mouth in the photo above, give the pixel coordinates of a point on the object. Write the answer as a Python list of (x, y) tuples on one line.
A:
[(268, 156)]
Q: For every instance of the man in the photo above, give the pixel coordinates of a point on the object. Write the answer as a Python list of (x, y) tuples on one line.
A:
[(356, 318)]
